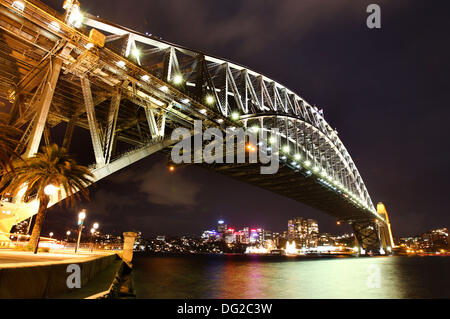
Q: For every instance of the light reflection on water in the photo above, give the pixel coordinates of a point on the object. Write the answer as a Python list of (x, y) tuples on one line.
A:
[(232, 276)]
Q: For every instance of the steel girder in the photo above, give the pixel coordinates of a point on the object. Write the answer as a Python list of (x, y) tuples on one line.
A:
[(367, 234)]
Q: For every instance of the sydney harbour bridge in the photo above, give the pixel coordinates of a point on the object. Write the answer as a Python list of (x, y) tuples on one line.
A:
[(131, 90)]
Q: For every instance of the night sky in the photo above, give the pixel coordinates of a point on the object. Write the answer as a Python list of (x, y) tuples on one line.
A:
[(386, 92)]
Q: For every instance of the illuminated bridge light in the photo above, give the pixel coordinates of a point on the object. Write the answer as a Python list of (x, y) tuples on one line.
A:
[(177, 79), (121, 63), (316, 169), (235, 116), (19, 5), (75, 18), (286, 148), (255, 129), (297, 156), (145, 77), (209, 99), (136, 53), (307, 163), (164, 88), (55, 26)]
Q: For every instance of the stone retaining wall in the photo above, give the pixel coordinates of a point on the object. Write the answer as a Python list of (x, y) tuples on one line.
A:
[(43, 280)]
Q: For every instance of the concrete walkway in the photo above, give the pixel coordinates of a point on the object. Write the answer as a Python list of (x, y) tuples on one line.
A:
[(8, 257), (12, 258)]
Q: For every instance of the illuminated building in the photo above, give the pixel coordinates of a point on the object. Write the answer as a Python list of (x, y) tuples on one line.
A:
[(221, 226), (246, 235), (303, 231), (260, 232), (325, 239), (276, 239), (267, 235), (230, 236), (312, 233), (439, 238), (254, 236), (210, 235)]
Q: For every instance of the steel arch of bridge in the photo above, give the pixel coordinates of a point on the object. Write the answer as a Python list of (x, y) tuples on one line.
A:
[(138, 88), (239, 89)]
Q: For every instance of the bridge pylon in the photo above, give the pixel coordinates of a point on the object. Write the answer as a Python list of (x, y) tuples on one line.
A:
[(374, 236), (386, 238), (367, 237)]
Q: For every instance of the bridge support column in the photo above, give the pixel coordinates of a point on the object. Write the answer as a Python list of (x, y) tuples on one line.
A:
[(43, 107), (386, 237), (113, 113), (93, 125), (367, 235), (69, 132), (128, 246)]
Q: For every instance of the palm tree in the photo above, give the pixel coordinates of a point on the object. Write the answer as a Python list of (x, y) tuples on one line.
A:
[(8, 142), (52, 166)]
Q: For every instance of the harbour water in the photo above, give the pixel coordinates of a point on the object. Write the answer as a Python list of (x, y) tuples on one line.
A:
[(243, 276)]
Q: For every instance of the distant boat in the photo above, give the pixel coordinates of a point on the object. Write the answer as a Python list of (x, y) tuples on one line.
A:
[(278, 252)]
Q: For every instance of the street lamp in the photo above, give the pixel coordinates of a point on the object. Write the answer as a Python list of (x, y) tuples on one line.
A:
[(93, 229), (68, 234), (51, 234), (81, 217), (50, 190)]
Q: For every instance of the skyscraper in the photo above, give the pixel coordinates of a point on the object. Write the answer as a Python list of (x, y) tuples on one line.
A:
[(303, 231), (221, 227)]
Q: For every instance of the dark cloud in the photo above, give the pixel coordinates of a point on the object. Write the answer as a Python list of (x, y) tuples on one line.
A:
[(160, 186)]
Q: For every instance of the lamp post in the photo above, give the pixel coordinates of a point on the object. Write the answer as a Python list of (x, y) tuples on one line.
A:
[(81, 217), (93, 229), (68, 234)]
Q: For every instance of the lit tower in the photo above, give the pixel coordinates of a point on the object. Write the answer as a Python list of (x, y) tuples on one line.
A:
[(387, 240), (221, 226)]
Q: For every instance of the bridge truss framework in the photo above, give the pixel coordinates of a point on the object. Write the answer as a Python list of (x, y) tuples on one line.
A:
[(133, 92)]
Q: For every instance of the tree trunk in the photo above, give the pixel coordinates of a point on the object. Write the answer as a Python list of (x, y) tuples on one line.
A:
[(43, 202)]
